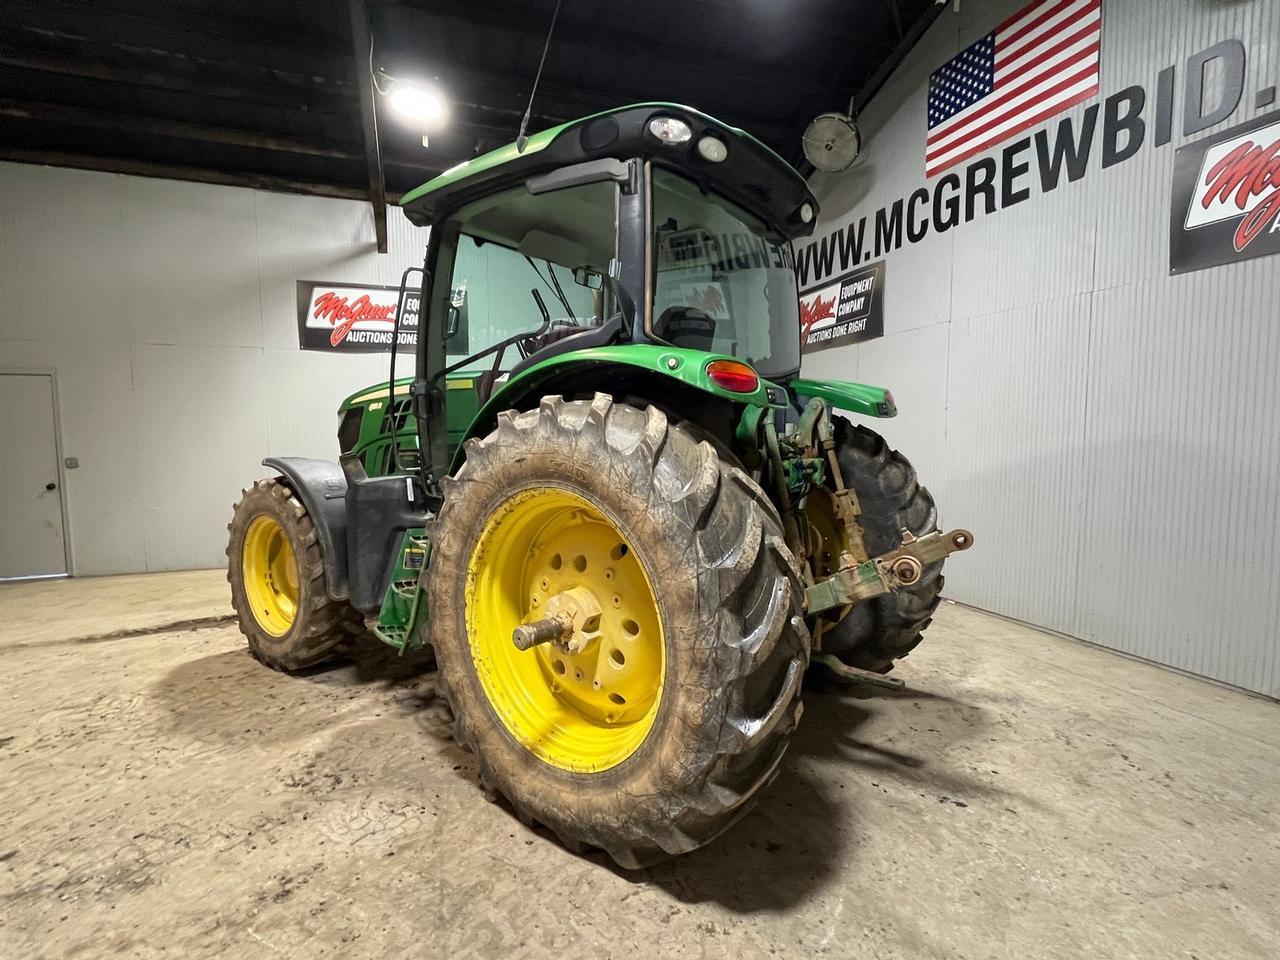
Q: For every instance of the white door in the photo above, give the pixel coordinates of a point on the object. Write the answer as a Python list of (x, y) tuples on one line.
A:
[(31, 528)]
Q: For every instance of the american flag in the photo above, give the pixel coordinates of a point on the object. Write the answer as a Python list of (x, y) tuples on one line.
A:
[(1037, 63)]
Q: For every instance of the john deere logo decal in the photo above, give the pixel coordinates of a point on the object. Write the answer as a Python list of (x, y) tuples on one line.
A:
[(1226, 197)]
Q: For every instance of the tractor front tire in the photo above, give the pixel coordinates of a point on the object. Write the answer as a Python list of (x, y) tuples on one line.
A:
[(654, 738), (276, 572), (879, 631)]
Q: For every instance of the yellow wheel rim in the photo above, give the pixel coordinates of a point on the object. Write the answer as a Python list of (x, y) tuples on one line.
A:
[(583, 712), (827, 540), (270, 575)]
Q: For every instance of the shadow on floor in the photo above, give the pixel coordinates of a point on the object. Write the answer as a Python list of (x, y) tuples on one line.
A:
[(780, 854), (929, 768), (794, 842), (230, 697), (803, 832)]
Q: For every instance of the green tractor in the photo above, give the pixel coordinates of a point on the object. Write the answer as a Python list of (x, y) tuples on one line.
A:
[(606, 498)]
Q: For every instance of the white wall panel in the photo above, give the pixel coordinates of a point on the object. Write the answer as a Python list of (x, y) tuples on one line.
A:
[(59, 256), (923, 297), (1016, 399), (1042, 249), (185, 259), (836, 364), (1184, 459), (168, 311), (300, 239), (1112, 433), (914, 362), (196, 461)]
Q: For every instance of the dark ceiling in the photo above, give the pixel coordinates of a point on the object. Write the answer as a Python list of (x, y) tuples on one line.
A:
[(269, 92)]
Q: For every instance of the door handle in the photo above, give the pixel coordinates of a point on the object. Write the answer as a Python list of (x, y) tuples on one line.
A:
[(51, 486)]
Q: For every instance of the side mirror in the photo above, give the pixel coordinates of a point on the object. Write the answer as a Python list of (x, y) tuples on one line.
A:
[(585, 277), (452, 320)]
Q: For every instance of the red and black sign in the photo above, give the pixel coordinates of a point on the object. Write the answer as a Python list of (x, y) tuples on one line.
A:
[(352, 317), (850, 309), (1226, 197)]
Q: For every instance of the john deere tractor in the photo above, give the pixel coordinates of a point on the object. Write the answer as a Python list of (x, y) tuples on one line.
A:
[(606, 498)]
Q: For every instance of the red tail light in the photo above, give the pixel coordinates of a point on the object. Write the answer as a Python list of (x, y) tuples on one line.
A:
[(733, 375)]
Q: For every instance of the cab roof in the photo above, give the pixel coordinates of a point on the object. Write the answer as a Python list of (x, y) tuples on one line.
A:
[(751, 174)]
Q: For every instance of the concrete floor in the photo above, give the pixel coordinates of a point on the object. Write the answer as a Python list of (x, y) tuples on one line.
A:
[(1027, 796)]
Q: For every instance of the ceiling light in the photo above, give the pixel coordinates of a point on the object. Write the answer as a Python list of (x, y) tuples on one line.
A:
[(416, 102)]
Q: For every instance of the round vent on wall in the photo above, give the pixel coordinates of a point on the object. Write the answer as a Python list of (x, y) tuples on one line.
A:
[(831, 142)]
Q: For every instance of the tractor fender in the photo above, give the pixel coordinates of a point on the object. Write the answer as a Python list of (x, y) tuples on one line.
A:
[(667, 371), (322, 488), (857, 398)]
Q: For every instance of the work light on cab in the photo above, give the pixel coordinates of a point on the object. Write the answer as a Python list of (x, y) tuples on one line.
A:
[(670, 130), (712, 149), (733, 375)]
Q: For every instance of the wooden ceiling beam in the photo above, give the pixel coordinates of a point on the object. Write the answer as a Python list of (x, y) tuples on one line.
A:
[(74, 56), (104, 26), (146, 168), (360, 55), (178, 129)]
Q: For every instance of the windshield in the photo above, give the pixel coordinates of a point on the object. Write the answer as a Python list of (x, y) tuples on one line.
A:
[(724, 282)]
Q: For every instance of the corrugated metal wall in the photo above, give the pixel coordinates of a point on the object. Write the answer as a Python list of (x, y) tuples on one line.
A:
[(1110, 433), (168, 311)]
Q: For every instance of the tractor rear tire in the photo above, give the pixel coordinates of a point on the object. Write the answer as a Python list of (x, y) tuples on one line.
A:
[(276, 572), (879, 631), (694, 557)]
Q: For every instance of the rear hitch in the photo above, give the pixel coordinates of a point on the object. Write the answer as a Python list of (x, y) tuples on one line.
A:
[(856, 582)]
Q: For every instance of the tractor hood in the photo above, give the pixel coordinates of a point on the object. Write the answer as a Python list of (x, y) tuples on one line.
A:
[(749, 174)]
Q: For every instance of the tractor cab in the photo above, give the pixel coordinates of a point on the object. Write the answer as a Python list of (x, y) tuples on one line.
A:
[(538, 274), (650, 225)]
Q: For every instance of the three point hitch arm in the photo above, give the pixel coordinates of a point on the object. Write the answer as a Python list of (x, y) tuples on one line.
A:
[(855, 582), (857, 577)]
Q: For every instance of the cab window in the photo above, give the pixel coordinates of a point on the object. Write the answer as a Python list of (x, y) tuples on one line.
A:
[(533, 264), (723, 281)]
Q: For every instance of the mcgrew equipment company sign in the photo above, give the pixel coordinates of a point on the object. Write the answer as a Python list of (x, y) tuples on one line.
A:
[(353, 317), (1226, 197)]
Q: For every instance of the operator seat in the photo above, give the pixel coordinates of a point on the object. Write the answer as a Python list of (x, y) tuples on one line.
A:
[(542, 340), (567, 339)]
